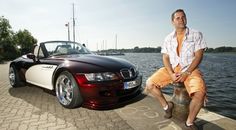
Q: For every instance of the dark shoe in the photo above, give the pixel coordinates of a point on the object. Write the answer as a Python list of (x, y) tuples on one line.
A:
[(191, 127), (169, 110)]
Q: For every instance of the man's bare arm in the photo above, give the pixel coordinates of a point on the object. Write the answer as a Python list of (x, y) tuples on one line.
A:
[(166, 62), (197, 60)]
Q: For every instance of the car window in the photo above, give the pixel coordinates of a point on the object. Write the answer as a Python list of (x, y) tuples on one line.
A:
[(65, 48)]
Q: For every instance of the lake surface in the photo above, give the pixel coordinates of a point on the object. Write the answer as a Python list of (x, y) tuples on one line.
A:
[(219, 72)]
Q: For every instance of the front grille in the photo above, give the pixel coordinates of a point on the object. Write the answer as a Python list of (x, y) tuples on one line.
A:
[(128, 73)]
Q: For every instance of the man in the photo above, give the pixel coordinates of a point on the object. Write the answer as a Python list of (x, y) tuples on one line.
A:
[(182, 53)]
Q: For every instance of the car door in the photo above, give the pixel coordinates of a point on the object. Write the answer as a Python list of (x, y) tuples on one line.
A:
[(41, 73)]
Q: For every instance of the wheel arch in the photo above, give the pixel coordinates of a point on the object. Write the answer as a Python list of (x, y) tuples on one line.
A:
[(12, 64), (17, 67), (18, 81), (58, 71), (72, 67)]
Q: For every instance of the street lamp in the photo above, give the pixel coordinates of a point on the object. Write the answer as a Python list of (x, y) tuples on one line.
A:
[(68, 29)]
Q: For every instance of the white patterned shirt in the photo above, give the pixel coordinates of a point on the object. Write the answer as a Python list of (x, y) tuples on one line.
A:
[(192, 42)]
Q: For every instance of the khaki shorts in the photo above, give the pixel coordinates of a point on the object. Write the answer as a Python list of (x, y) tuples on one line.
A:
[(193, 82)]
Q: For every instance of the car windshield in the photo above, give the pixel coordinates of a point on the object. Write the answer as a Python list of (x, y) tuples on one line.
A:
[(65, 48)]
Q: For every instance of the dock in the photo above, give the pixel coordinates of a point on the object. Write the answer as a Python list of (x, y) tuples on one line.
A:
[(31, 108)]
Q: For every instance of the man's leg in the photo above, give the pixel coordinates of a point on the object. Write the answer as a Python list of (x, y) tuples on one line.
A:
[(196, 87), (160, 77), (195, 106), (156, 92), (153, 86)]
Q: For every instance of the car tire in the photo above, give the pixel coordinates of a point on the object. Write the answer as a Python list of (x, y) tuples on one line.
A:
[(14, 77), (67, 91)]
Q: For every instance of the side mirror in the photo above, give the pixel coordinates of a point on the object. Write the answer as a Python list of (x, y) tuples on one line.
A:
[(31, 56)]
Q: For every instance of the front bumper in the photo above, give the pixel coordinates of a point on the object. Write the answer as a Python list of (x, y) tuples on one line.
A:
[(107, 95)]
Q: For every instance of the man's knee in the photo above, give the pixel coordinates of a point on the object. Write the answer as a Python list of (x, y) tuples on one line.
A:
[(150, 86), (199, 95)]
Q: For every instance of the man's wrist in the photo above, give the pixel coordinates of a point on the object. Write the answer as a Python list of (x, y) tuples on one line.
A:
[(187, 72)]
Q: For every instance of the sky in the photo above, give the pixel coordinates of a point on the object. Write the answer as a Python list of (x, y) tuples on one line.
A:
[(142, 23)]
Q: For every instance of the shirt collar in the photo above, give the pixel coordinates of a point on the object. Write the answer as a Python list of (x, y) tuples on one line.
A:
[(174, 33)]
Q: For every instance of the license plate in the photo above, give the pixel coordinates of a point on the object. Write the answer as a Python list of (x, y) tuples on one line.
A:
[(132, 84)]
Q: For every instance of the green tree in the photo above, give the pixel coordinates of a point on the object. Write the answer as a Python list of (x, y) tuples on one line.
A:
[(7, 48), (10, 41), (5, 29), (136, 49), (24, 40)]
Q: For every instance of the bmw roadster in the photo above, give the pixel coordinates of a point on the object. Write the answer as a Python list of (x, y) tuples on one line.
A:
[(76, 75)]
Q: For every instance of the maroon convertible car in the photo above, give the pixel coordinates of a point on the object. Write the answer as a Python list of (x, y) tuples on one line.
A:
[(77, 76)]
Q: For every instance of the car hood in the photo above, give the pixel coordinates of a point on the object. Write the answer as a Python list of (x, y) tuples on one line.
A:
[(109, 63)]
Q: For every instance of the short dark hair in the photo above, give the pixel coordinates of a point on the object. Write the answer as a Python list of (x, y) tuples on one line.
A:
[(176, 11)]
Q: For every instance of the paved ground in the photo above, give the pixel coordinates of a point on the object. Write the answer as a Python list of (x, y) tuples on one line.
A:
[(31, 108)]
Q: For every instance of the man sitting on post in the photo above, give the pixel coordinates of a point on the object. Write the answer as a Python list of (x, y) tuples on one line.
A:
[(182, 53)]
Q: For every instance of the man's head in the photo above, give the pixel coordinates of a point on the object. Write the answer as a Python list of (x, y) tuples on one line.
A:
[(179, 19)]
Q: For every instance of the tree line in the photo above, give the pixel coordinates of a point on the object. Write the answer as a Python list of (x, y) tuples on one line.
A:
[(158, 50), (221, 49), (13, 44), (135, 50)]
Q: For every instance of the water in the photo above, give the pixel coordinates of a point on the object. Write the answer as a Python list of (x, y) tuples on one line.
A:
[(219, 72)]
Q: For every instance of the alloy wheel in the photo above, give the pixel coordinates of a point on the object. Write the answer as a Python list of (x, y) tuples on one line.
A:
[(64, 90), (12, 76)]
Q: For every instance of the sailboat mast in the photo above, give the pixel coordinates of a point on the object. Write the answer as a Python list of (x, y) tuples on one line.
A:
[(73, 23), (116, 42)]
